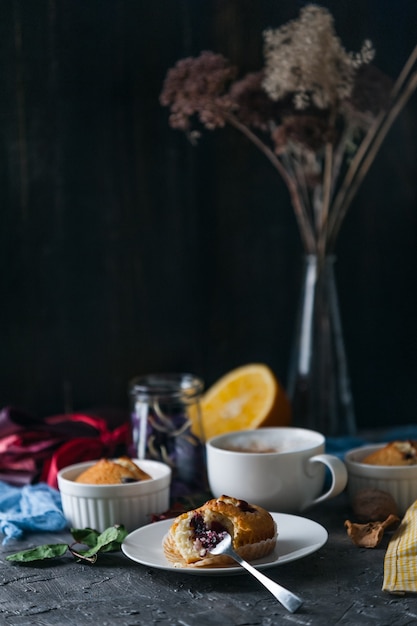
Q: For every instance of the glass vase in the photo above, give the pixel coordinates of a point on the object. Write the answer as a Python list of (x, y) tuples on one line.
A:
[(318, 379)]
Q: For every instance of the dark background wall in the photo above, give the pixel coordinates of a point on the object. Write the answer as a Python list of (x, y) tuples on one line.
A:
[(125, 250)]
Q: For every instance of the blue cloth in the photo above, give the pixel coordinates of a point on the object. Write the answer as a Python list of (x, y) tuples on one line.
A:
[(29, 508)]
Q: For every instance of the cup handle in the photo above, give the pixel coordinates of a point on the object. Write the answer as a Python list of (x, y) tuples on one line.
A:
[(338, 472)]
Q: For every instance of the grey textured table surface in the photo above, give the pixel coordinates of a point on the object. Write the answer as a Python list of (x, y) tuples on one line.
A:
[(340, 584)]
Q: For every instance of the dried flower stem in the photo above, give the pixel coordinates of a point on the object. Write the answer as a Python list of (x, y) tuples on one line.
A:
[(305, 227), (340, 154), (291, 163), (327, 187), (348, 182), (371, 145)]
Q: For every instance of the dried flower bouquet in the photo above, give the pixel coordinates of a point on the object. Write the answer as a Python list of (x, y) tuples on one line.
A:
[(317, 112)]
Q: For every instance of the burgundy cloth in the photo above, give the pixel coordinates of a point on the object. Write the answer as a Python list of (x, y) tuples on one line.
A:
[(33, 449)]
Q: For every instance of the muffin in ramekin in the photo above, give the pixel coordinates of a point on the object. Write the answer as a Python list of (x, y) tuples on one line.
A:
[(400, 481), (99, 506)]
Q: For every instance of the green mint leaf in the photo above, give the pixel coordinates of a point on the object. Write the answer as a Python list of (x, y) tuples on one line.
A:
[(47, 551), (87, 536), (107, 540), (116, 544), (91, 537)]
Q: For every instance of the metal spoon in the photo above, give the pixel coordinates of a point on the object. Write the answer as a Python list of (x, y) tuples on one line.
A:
[(288, 599)]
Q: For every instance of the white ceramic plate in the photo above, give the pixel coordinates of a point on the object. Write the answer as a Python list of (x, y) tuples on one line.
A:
[(297, 538)]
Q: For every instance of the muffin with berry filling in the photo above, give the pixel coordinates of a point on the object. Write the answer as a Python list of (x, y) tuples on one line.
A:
[(193, 534)]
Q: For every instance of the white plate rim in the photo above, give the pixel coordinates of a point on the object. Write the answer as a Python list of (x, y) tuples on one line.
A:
[(298, 537)]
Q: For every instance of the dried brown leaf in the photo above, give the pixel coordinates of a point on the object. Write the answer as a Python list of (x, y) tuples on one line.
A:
[(369, 535)]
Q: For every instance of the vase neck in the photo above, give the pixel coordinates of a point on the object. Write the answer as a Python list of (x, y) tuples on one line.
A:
[(316, 264), (318, 380)]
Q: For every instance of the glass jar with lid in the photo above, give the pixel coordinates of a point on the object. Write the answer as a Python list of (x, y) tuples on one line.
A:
[(167, 426)]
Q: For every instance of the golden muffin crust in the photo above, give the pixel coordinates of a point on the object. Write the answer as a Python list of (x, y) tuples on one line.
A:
[(252, 528), (394, 453), (107, 472)]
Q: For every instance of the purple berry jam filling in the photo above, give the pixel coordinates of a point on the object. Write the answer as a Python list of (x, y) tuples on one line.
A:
[(206, 538)]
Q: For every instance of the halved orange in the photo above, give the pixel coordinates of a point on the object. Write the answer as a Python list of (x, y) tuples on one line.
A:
[(247, 397)]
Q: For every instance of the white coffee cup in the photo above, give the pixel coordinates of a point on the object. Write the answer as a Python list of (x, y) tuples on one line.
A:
[(281, 469)]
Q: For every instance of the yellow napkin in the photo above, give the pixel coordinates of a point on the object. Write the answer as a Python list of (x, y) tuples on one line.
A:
[(400, 564)]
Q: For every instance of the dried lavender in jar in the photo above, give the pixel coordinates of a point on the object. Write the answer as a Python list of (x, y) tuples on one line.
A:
[(167, 427)]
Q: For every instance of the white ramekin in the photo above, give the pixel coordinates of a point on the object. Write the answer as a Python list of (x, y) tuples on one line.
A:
[(398, 480), (101, 506)]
